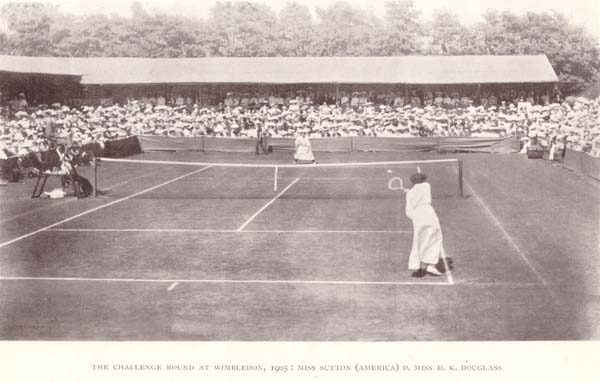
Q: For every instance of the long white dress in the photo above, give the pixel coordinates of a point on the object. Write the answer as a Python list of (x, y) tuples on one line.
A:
[(427, 243), (303, 149), (552, 154)]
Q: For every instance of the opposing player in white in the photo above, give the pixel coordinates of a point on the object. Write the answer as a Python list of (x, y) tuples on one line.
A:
[(303, 149)]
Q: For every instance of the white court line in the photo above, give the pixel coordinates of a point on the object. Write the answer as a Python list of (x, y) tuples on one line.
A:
[(176, 282), (225, 281), (507, 236), (507, 285), (100, 207), (172, 286), (41, 208), (448, 272), (267, 205), (118, 184), (270, 179), (46, 207), (236, 231)]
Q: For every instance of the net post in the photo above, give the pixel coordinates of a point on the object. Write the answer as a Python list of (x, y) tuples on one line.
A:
[(460, 179), (275, 179), (95, 165)]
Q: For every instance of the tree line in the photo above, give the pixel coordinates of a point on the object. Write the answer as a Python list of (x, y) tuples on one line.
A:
[(246, 28)]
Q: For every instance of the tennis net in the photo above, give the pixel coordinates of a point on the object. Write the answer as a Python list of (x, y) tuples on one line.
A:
[(349, 180)]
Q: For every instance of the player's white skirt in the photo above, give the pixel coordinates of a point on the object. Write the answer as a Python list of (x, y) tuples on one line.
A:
[(427, 237), (427, 246), (304, 153)]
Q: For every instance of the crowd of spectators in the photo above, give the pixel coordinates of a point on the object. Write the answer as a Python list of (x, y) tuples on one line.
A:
[(357, 99), (574, 121)]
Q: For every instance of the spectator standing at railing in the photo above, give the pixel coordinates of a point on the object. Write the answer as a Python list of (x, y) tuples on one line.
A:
[(595, 150), (20, 103), (261, 139), (415, 101), (553, 150)]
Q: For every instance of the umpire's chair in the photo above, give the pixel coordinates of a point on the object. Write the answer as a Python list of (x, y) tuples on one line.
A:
[(64, 165)]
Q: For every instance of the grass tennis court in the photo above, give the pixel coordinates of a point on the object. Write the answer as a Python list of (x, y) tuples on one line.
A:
[(212, 253)]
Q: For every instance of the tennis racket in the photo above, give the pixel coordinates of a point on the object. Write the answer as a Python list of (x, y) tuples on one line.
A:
[(396, 183)]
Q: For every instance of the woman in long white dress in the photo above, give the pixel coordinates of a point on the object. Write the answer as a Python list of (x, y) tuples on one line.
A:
[(303, 149), (427, 246), (552, 151)]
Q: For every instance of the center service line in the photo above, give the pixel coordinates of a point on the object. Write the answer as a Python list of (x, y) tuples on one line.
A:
[(172, 286), (267, 205)]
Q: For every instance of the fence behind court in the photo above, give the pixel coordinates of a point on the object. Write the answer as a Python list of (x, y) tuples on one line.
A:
[(334, 144), (582, 163)]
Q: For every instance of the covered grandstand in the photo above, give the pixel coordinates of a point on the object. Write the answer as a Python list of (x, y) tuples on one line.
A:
[(207, 80)]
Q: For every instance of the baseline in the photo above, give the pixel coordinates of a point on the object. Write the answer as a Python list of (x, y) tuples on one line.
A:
[(175, 282), (233, 231), (223, 281)]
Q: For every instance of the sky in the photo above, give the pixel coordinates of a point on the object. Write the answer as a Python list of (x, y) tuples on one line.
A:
[(581, 12)]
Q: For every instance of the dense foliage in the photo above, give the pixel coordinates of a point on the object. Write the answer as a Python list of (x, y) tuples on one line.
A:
[(253, 29)]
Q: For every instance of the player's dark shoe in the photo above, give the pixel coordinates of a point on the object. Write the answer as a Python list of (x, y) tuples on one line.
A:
[(441, 266), (419, 273)]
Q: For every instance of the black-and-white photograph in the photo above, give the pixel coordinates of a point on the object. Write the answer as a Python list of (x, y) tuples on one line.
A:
[(299, 171)]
